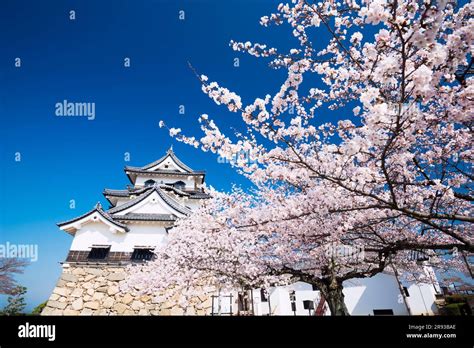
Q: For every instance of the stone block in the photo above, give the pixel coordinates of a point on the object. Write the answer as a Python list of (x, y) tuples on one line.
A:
[(70, 312), (61, 291), (120, 308), (57, 304), (92, 305), (77, 304), (112, 290), (115, 277), (77, 292), (67, 277), (98, 296), (108, 302), (136, 305), (127, 299)]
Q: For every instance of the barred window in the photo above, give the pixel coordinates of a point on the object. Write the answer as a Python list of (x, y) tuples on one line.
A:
[(98, 253), (142, 254)]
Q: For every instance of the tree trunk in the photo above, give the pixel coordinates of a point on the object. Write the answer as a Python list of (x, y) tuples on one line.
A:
[(332, 291)]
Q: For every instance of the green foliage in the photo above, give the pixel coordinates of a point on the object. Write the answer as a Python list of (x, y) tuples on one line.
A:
[(458, 298), (16, 302), (39, 308), (453, 309)]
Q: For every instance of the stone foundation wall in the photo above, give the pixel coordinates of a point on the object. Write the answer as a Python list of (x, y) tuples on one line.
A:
[(95, 290)]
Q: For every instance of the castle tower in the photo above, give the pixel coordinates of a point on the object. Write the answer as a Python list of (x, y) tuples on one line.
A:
[(107, 240)]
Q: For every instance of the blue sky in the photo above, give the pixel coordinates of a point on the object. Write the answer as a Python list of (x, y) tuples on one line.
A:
[(82, 61)]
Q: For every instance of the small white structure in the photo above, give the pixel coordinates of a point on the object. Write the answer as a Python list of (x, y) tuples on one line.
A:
[(137, 222)]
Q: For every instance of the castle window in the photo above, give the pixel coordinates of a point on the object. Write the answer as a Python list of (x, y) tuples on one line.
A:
[(180, 185), (150, 182), (98, 253), (383, 312), (142, 254)]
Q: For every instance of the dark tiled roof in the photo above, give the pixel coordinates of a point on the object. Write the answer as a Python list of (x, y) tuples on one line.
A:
[(116, 193), (97, 208), (127, 193), (175, 190), (199, 195), (191, 194), (145, 217)]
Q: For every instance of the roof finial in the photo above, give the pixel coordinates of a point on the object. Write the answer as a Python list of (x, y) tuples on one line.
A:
[(171, 148)]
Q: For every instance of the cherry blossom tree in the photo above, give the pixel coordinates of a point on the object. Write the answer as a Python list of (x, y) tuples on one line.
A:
[(244, 241), (408, 147), (9, 267), (392, 172)]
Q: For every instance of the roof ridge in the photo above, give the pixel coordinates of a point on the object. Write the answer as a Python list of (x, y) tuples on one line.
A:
[(171, 153), (173, 202), (168, 199), (146, 216), (163, 171), (98, 208)]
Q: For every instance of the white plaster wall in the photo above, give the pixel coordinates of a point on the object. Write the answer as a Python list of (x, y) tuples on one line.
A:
[(280, 300), (422, 299), (362, 296), (139, 235), (121, 201), (168, 162), (192, 203), (153, 204)]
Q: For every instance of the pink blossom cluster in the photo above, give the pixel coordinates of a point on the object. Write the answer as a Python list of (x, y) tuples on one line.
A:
[(393, 174)]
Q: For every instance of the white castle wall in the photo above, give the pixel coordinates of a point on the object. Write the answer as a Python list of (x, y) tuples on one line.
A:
[(139, 235)]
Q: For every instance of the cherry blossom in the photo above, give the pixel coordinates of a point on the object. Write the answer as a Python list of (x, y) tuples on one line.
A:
[(391, 173)]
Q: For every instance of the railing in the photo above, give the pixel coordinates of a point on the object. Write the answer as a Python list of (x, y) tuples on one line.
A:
[(321, 308)]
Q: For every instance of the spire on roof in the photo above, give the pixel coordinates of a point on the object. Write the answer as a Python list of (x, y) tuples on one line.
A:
[(170, 150)]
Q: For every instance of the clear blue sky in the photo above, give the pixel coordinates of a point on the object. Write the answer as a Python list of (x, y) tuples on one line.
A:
[(82, 61)]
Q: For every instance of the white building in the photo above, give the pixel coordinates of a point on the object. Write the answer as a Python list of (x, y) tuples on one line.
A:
[(137, 223), (139, 216)]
